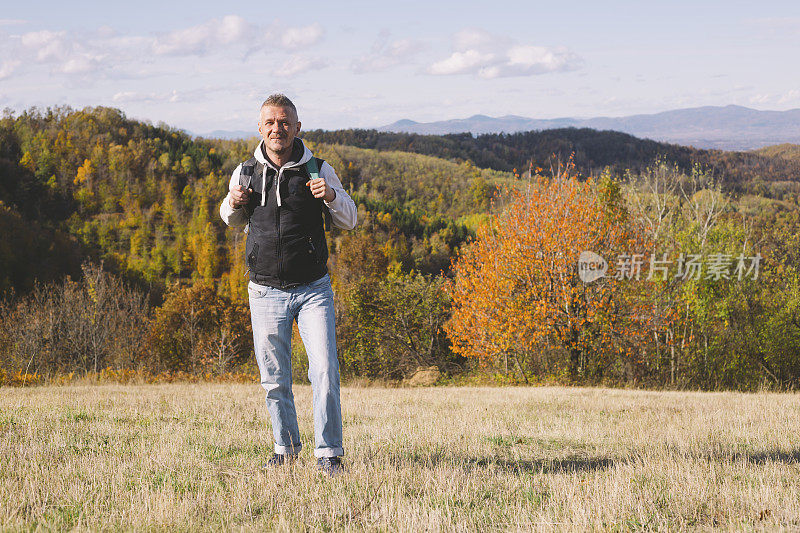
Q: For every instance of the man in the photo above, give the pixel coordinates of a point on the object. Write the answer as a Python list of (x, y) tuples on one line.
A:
[(285, 202)]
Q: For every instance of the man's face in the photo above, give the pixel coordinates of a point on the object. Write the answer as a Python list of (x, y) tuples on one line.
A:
[(278, 127)]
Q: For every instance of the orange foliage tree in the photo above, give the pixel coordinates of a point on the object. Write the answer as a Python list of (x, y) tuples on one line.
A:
[(517, 294)]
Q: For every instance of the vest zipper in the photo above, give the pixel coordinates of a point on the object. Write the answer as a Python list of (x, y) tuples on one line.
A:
[(278, 224), (313, 249)]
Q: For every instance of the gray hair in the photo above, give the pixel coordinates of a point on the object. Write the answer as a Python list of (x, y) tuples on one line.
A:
[(279, 100)]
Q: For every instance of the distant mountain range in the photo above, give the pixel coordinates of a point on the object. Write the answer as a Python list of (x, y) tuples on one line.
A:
[(725, 128), (711, 127)]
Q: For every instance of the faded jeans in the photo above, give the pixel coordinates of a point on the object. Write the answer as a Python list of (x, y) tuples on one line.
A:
[(272, 312)]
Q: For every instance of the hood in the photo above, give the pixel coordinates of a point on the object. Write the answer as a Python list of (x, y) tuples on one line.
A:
[(298, 147), (258, 153)]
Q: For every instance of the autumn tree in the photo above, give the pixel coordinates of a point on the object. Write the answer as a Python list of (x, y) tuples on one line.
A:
[(198, 331), (518, 299)]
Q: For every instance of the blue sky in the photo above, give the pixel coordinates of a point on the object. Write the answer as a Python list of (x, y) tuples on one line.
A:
[(205, 66)]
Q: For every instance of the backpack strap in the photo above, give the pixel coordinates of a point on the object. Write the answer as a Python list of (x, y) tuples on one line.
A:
[(247, 171), (245, 180), (312, 167)]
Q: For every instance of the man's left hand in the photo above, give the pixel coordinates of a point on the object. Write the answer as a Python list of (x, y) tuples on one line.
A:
[(320, 189)]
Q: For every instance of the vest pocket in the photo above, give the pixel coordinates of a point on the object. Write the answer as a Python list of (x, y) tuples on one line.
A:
[(312, 250), (300, 257), (252, 257)]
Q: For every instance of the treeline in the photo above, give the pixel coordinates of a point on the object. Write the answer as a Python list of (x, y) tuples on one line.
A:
[(419, 183), (592, 151), (660, 280), (142, 201)]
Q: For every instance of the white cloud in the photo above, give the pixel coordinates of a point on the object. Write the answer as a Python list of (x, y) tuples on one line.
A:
[(67, 54), (12, 22), (47, 45), (292, 38), (479, 53), (127, 97), (233, 29), (465, 62), (182, 42), (298, 64), (81, 64), (8, 67), (404, 47), (761, 98), (108, 53), (386, 54), (203, 38), (789, 97), (217, 35), (528, 60)]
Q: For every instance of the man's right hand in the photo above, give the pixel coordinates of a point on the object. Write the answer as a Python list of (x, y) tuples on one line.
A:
[(239, 196)]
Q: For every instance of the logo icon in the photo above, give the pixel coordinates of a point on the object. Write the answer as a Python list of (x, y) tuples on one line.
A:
[(591, 267)]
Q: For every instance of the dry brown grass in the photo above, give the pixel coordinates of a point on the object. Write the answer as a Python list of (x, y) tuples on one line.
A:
[(187, 456)]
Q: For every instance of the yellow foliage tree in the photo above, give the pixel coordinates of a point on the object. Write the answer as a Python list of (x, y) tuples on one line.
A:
[(84, 173)]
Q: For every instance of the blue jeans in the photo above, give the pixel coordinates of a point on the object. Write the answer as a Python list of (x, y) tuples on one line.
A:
[(272, 312)]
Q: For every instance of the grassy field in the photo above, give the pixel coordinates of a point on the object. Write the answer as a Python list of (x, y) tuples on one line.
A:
[(466, 459)]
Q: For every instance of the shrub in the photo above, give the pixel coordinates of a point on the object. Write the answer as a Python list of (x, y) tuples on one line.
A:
[(198, 331), (74, 326)]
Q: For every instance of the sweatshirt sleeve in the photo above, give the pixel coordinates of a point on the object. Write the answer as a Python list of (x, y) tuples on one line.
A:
[(235, 217), (343, 209)]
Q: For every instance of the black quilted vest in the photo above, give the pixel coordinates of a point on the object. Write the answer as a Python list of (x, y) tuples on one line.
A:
[(286, 244)]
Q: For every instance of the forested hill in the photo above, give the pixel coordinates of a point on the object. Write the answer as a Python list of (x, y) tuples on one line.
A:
[(786, 151), (593, 150), (144, 200)]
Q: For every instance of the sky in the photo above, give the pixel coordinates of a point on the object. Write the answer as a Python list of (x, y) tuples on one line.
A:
[(205, 66)]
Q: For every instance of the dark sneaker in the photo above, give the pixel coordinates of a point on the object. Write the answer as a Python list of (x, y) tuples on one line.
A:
[(279, 459), (330, 465)]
